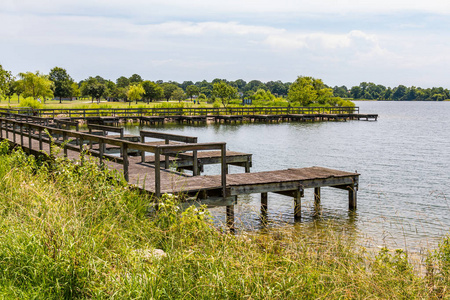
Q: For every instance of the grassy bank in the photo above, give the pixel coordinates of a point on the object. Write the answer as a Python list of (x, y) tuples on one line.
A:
[(70, 230)]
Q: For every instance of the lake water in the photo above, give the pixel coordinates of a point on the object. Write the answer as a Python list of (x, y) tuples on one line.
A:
[(403, 159)]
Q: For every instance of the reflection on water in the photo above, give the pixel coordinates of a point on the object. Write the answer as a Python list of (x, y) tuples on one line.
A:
[(403, 159)]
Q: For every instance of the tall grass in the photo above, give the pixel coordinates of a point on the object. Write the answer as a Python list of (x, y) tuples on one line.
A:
[(72, 230)]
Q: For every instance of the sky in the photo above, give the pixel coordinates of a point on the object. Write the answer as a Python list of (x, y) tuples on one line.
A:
[(343, 42)]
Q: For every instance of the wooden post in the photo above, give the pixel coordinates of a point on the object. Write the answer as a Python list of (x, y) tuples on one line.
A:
[(125, 160), (40, 139), (21, 135), (157, 173), (90, 141), (14, 132), (1, 129), (298, 204), (29, 138), (65, 146), (317, 196), (230, 218), (224, 169), (101, 152), (194, 163), (247, 166), (264, 204), (142, 151), (166, 157), (352, 197), (6, 130)]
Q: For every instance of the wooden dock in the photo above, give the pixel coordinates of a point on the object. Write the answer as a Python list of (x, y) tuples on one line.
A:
[(196, 115), (155, 176)]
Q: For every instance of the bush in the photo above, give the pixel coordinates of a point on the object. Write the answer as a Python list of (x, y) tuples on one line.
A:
[(30, 102)]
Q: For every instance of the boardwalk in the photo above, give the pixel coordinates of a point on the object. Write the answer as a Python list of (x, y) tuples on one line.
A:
[(150, 173)]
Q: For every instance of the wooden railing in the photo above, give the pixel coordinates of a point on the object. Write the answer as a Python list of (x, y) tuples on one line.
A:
[(167, 137), (37, 132), (187, 111)]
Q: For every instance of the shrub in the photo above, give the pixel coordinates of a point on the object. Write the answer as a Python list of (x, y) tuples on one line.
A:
[(30, 102)]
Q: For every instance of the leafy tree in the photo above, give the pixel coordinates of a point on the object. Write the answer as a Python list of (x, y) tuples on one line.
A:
[(111, 90), (135, 92), (122, 82), (254, 85), (341, 91), (152, 90), (12, 87), (224, 91), (399, 92), (262, 95), (240, 84), (308, 90), (168, 89), (192, 90), (76, 92), (277, 88), (93, 88), (100, 79), (135, 78), (178, 94), (185, 84), (5, 78), (62, 82), (356, 92), (36, 85)]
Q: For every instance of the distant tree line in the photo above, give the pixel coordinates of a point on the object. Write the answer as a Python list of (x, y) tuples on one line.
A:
[(303, 91), (372, 91)]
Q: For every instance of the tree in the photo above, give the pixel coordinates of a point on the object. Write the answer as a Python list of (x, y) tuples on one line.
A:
[(92, 88), (224, 91), (36, 85), (135, 92), (152, 91), (62, 82), (185, 84), (111, 90), (135, 78), (192, 90), (122, 82), (240, 84), (75, 90), (341, 91), (178, 94), (399, 92), (254, 85), (169, 88), (262, 95), (277, 87), (308, 90), (5, 78)]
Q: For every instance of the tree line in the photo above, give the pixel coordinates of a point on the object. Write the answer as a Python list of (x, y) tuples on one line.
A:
[(372, 91), (303, 91)]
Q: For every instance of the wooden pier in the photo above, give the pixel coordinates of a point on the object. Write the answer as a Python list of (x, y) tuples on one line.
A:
[(198, 115), (153, 173)]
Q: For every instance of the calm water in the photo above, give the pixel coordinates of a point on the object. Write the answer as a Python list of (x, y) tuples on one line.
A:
[(403, 159)]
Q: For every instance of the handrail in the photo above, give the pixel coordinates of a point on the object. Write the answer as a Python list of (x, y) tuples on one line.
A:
[(167, 137), (124, 145), (190, 111), (105, 129)]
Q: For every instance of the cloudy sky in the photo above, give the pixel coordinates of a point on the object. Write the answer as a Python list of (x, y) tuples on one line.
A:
[(344, 42)]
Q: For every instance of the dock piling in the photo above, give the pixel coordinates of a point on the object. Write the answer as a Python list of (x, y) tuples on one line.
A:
[(298, 204)]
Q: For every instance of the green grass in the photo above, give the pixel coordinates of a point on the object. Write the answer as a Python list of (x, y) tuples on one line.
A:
[(70, 230)]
